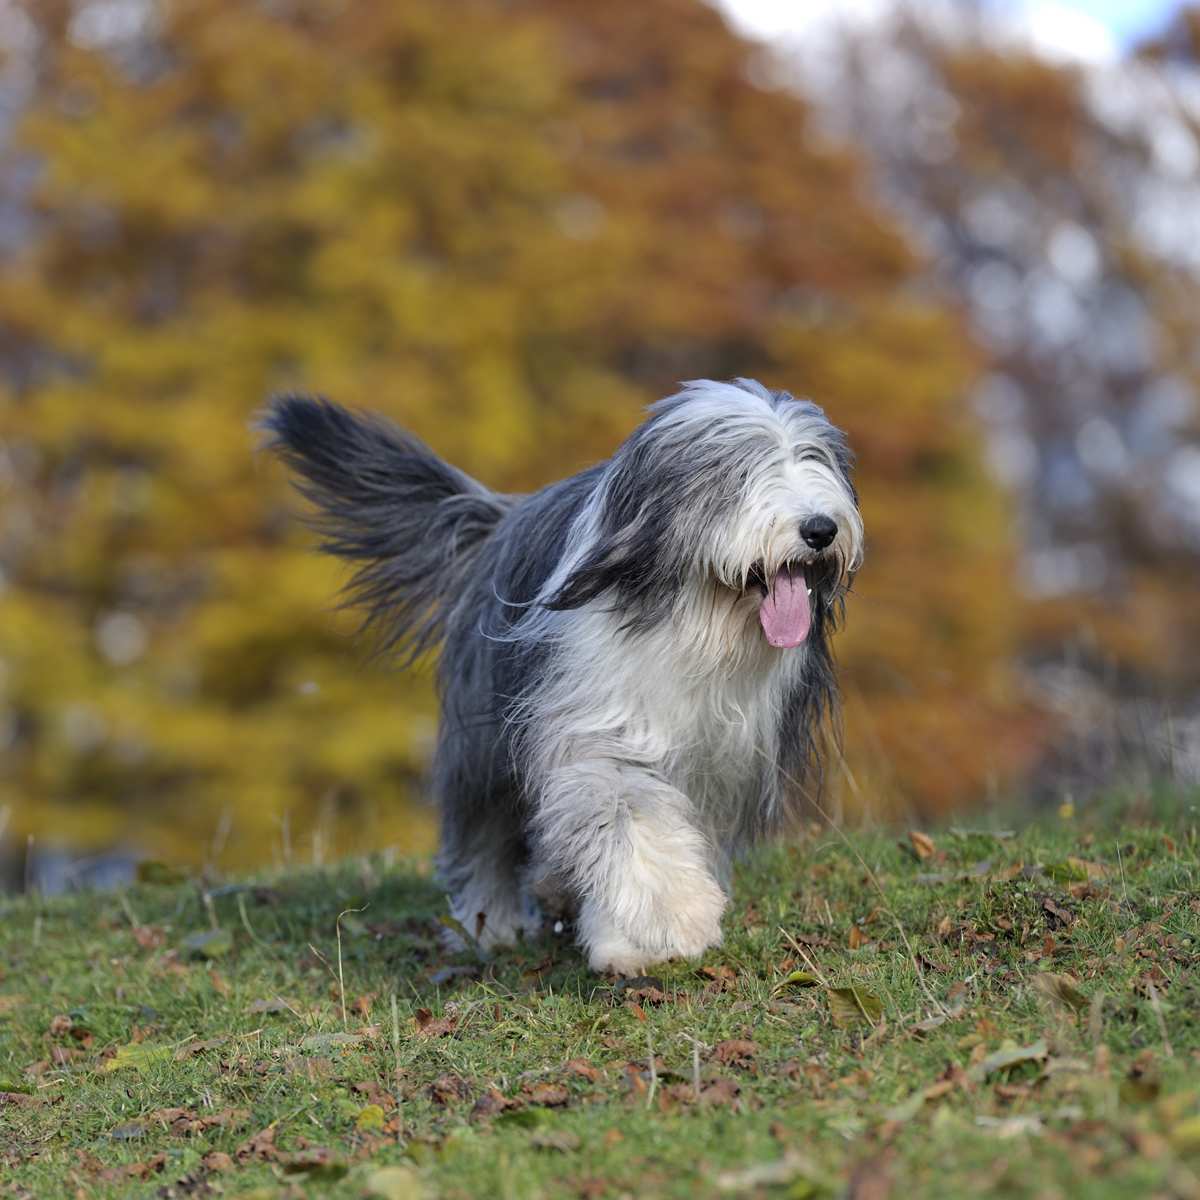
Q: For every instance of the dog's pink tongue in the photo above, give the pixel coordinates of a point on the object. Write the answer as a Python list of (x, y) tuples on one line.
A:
[(785, 612)]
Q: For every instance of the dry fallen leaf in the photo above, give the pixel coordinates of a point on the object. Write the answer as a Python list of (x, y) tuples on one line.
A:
[(736, 1052), (449, 1089), (547, 1095), (582, 1068), (851, 1006), (260, 1146), (430, 1026), (137, 1057), (721, 979), (720, 1091), (922, 844), (798, 979), (1006, 1057), (491, 1104), (374, 1093), (1062, 990)]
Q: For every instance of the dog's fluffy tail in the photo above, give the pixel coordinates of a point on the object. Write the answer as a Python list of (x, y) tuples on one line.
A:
[(410, 522)]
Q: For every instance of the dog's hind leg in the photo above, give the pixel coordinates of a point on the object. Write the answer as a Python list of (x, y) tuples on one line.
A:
[(642, 870), (483, 854), (481, 864)]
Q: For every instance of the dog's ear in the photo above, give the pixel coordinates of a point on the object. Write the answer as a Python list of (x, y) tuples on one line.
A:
[(844, 457), (631, 553), (627, 561)]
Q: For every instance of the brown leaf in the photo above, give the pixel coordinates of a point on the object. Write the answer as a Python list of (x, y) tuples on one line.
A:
[(191, 1049), (872, 1180), (720, 1091), (261, 1146), (675, 1094), (546, 1095), (60, 1025), (216, 1161), (226, 1118), (922, 844), (492, 1102), (374, 1093), (650, 994), (736, 1052), (721, 979), (1057, 917), (317, 1160), (856, 938), (583, 1068), (430, 1026), (149, 937), (449, 1089), (1062, 990), (851, 1006), (817, 940), (180, 1121), (143, 1170)]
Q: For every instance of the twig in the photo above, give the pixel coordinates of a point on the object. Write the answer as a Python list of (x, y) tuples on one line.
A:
[(209, 907), (341, 984), (323, 961), (1156, 1005), (241, 903), (653, 1069), (396, 1068), (812, 966), (696, 1044), (128, 908)]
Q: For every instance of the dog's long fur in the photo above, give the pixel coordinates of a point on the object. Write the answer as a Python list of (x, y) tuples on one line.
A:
[(615, 725)]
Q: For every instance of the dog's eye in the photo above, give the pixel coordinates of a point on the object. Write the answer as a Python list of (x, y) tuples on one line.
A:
[(803, 455)]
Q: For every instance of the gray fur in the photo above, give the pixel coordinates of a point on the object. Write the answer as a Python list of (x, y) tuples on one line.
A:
[(614, 725)]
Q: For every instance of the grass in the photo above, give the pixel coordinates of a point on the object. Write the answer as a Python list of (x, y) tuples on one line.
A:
[(1016, 1015)]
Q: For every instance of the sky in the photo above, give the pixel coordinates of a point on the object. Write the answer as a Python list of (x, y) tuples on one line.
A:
[(1088, 30)]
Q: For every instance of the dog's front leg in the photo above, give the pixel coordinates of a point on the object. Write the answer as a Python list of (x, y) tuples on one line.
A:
[(626, 842)]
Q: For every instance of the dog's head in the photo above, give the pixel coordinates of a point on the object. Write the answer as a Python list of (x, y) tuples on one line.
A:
[(727, 486)]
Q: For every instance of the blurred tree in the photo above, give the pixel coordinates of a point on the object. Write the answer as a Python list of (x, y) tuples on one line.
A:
[(1061, 206), (508, 230)]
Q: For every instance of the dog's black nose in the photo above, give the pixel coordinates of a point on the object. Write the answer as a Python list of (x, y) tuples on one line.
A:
[(818, 531)]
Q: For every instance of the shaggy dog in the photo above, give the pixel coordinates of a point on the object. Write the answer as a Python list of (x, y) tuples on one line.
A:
[(635, 665)]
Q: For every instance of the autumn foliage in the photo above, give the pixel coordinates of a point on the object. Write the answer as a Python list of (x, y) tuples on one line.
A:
[(507, 226)]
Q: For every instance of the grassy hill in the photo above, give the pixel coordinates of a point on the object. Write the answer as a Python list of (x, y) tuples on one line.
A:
[(955, 1014)]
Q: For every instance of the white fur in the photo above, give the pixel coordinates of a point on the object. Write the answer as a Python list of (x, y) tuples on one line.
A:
[(649, 746)]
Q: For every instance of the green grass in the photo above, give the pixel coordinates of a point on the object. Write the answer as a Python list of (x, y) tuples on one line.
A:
[(133, 1066)]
